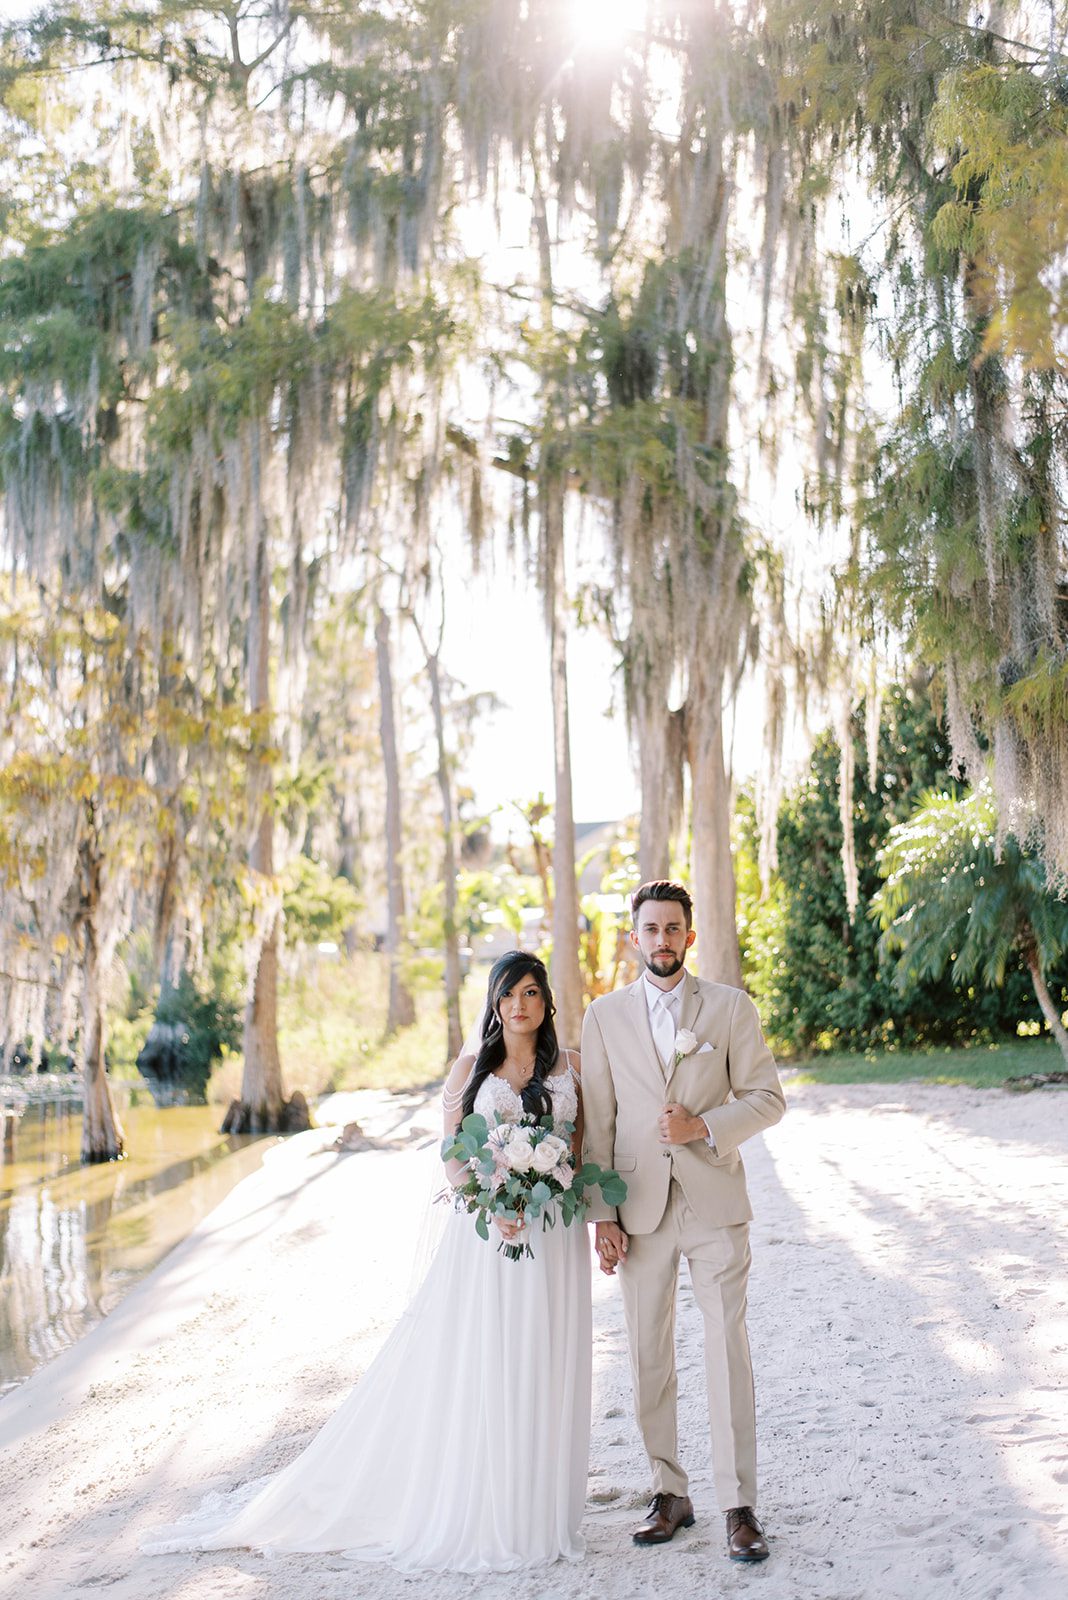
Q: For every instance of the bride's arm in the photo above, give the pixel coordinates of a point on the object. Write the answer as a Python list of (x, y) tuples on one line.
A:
[(452, 1108)]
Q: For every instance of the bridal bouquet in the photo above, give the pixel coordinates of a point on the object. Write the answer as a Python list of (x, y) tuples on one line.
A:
[(520, 1171)]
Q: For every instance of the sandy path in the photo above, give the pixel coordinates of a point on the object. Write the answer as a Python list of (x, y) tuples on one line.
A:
[(909, 1316)]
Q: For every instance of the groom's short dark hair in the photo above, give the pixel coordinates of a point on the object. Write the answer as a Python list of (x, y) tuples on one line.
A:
[(662, 889)]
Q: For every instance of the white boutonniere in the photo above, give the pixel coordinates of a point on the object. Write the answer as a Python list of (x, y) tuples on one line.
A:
[(685, 1044)]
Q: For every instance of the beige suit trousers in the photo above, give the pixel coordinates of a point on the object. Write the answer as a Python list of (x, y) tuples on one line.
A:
[(718, 1259)]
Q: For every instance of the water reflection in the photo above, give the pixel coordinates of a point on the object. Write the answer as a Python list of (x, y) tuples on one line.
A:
[(74, 1239)]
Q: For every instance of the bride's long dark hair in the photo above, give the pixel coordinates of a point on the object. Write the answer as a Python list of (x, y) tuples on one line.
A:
[(505, 973)]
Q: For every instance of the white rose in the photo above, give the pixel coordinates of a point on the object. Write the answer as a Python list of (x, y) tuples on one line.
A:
[(548, 1153), (685, 1043), (545, 1157), (563, 1175), (520, 1154)]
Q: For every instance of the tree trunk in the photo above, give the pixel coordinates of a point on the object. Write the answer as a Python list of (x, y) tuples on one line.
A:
[(102, 1135), (401, 1012), (1045, 1000), (716, 949), (660, 753), (453, 1028), (262, 1093), (166, 902), (566, 970), (350, 864), (566, 967), (262, 1107)]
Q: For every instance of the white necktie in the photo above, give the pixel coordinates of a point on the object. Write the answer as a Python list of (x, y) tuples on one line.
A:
[(662, 1018)]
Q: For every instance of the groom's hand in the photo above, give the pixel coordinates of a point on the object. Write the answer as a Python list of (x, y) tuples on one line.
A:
[(611, 1244), (678, 1127)]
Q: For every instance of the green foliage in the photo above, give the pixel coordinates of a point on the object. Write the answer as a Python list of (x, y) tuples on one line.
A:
[(89, 269), (1040, 700), (922, 512), (256, 300), (202, 1012), (331, 1018), (486, 899), (126, 1038), (961, 124), (957, 899), (822, 981), (492, 1188), (77, 317), (208, 1024), (1006, 125), (494, 892), (318, 906), (114, 775), (656, 363)]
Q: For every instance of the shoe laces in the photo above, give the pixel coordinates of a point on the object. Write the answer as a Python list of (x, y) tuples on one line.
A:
[(742, 1517)]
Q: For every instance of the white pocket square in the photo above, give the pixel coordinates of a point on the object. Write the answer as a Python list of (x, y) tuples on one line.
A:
[(702, 1048)]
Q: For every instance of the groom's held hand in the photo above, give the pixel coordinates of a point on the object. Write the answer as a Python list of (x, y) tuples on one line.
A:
[(678, 1127), (611, 1243)]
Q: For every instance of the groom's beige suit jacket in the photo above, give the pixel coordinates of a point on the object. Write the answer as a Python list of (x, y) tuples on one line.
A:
[(729, 1079)]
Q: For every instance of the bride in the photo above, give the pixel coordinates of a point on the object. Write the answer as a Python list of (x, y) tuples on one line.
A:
[(464, 1446)]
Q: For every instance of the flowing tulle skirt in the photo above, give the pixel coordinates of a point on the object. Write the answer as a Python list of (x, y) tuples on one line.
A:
[(464, 1447)]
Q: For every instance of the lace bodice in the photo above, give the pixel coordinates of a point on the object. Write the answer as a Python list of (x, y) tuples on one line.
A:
[(496, 1096)]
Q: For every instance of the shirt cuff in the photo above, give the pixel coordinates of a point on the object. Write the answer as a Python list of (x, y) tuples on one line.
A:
[(711, 1137)]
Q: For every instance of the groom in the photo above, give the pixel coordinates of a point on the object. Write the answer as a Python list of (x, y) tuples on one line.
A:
[(675, 1074)]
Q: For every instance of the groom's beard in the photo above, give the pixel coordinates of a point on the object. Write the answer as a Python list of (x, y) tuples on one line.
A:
[(664, 966)]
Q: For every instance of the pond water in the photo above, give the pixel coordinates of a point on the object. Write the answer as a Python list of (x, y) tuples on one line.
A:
[(74, 1239)]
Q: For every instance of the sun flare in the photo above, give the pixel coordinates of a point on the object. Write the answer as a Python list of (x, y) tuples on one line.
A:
[(606, 24)]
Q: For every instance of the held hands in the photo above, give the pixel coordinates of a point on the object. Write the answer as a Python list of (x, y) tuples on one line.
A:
[(611, 1244), (678, 1127), (507, 1229)]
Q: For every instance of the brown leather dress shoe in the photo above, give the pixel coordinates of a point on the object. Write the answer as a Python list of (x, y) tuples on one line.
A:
[(745, 1536), (667, 1514)]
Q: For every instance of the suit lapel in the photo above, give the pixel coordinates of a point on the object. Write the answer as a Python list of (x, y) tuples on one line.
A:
[(692, 1001), (642, 1031)]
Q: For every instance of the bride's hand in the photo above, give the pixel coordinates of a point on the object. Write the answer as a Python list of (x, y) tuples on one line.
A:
[(508, 1230)]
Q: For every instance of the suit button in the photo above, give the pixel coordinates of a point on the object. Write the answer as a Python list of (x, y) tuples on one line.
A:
[(667, 1155)]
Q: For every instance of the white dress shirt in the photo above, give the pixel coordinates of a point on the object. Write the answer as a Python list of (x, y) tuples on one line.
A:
[(664, 1023), (663, 1019)]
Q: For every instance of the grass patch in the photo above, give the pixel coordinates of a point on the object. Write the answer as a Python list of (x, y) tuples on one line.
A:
[(331, 1017), (979, 1066)]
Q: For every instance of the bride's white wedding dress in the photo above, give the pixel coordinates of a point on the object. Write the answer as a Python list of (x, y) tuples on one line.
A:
[(464, 1446)]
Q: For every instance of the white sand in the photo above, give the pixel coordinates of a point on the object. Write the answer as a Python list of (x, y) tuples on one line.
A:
[(909, 1318)]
